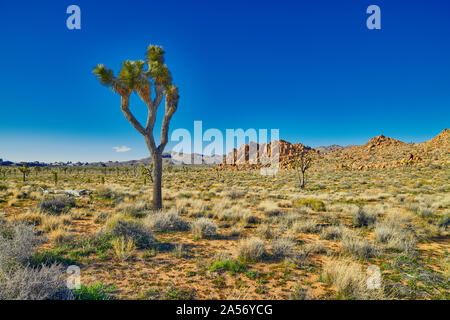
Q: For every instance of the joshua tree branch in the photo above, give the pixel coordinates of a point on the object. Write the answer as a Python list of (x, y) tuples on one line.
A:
[(159, 90), (125, 106), (171, 107)]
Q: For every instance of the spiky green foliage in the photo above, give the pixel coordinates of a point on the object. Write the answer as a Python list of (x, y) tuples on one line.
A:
[(104, 75), (135, 75)]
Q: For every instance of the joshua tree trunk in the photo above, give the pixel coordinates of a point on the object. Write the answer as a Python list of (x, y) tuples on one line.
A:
[(157, 174), (303, 180)]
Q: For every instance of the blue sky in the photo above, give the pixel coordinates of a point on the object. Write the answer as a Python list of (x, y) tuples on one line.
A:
[(309, 68)]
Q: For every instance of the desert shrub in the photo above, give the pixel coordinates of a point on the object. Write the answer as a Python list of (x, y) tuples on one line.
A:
[(314, 247), (204, 228), (361, 248), (363, 217), (282, 248), (405, 242), (22, 282), (109, 192), (289, 219), (249, 217), (56, 205), (130, 229), (16, 246), (422, 209), (350, 280), (385, 231), (167, 221), (306, 226), (42, 283), (235, 194), (332, 233), (397, 232), (134, 209), (251, 249), (266, 231), (270, 209), (444, 221), (101, 217), (316, 205)]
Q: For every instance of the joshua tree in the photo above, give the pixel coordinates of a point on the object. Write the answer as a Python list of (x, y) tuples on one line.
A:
[(147, 171), (140, 76), (25, 170), (301, 164)]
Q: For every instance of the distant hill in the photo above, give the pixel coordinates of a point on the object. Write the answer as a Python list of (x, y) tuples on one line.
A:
[(378, 152)]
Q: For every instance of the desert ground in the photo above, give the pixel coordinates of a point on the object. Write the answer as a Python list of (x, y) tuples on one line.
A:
[(232, 233)]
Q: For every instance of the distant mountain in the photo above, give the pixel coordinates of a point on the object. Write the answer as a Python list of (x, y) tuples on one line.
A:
[(325, 149), (378, 152)]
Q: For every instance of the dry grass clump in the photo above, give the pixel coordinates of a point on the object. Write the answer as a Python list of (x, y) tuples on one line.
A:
[(350, 281), (101, 217), (52, 223), (130, 229), (282, 248), (269, 208), (364, 217), (396, 232), (29, 217), (235, 194), (249, 217), (198, 208), (56, 205), (361, 248), (265, 231), (167, 221), (306, 226), (314, 247), (111, 192), (60, 236), (204, 228), (332, 232), (133, 209), (251, 249), (123, 248)]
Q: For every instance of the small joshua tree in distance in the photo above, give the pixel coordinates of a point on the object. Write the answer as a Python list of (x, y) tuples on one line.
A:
[(25, 171), (301, 164), (147, 171), (140, 76)]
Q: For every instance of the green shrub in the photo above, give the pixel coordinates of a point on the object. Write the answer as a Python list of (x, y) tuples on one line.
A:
[(314, 204), (98, 291), (228, 265)]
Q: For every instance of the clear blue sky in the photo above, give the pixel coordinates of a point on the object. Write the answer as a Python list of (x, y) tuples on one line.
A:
[(310, 68)]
